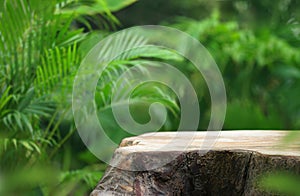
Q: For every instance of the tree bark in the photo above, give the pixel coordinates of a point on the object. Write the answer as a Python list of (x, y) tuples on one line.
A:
[(232, 167)]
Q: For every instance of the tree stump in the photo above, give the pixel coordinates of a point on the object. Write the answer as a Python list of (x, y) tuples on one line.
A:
[(231, 167)]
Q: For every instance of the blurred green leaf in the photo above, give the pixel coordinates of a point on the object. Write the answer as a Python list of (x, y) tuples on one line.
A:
[(247, 115), (21, 181), (282, 183)]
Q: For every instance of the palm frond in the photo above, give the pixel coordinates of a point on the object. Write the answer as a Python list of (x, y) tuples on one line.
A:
[(85, 11), (137, 58), (4, 100), (56, 64), (145, 93), (24, 111), (28, 145)]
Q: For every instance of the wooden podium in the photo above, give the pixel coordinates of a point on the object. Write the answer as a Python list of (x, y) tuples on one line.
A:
[(171, 163)]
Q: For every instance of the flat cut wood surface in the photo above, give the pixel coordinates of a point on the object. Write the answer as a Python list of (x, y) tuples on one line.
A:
[(265, 142)]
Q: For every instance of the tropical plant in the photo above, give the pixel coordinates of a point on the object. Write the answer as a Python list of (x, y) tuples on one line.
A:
[(260, 70), (41, 48), (39, 53), (38, 50)]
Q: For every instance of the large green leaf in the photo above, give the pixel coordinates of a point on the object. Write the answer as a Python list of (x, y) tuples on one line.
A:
[(94, 7), (282, 183)]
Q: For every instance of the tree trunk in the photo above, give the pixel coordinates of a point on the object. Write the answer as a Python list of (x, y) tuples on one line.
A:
[(144, 165)]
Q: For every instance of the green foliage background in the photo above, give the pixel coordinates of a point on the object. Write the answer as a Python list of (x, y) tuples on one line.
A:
[(255, 44)]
